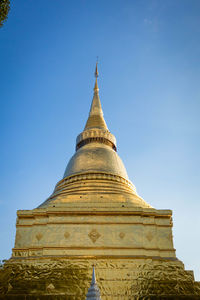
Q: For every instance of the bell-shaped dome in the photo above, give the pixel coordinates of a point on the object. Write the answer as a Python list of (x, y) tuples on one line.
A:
[(96, 157)]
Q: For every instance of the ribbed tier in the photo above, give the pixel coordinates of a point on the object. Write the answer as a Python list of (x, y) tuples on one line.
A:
[(96, 135), (93, 188)]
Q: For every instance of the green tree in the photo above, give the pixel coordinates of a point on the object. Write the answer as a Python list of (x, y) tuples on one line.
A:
[(4, 9)]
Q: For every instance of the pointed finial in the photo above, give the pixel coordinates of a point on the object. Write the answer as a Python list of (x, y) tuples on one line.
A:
[(95, 119), (93, 276), (96, 74)]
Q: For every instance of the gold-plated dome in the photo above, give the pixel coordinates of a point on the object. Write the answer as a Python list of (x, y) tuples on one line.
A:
[(96, 157), (95, 175)]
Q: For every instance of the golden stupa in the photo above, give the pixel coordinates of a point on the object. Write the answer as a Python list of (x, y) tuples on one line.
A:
[(95, 217)]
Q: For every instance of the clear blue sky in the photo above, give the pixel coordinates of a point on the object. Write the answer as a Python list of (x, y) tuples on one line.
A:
[(149, 53)]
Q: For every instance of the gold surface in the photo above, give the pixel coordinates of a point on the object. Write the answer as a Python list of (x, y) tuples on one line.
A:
[(96, 157), (95, 119), (95, 216), (100, 231), (117, 278), (94, 133)]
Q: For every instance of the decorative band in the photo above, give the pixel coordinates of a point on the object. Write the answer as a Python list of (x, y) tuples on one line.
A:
[(101, 140), (94, 176), (95, 133)]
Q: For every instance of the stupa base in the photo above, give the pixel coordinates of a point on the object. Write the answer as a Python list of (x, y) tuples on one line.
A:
[(118, 278)]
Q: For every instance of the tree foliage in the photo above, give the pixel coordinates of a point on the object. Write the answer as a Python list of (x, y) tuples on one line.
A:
[(4, 9)]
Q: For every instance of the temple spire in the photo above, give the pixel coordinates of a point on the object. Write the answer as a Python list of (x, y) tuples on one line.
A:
[(95, 119), (93, 292)]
